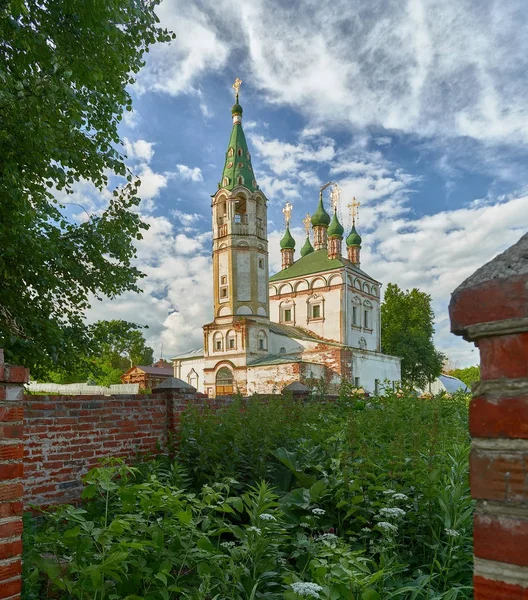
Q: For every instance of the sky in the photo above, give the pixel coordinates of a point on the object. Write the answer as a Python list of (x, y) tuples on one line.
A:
[(417, 108)]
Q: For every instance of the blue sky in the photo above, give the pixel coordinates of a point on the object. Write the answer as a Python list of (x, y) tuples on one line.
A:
[(417, 108)]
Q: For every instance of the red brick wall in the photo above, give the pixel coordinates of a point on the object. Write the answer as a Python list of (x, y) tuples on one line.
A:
[(65, 436), (11, 477), (491, 309)]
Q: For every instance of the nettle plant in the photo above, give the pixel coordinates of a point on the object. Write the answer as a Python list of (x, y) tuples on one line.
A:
[(358, 502)]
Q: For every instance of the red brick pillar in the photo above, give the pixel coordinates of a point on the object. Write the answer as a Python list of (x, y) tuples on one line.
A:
[(11, 471), (491, 309)]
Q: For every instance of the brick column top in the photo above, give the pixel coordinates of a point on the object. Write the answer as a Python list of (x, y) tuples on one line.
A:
[(501, 286)]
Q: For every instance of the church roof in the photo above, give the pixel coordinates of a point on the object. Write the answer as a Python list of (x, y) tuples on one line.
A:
[(198, 353), (317, 262), (238, 159)]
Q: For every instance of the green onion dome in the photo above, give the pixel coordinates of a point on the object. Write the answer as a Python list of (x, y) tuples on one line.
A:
[(287, 242), (354, 239), (320, 216), (307, 248), (335, 229), (236, 109)]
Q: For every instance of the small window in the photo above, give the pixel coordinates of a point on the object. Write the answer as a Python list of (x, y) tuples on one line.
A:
[(316, 311), (223, 279), (219, 344), (366, 321), (355, 315), (240, 180), (223, 292), (261, 263), (238, 218), (232, 342), (225, 181), (239, 152), (356, 382), (287, 314), (261, 344)]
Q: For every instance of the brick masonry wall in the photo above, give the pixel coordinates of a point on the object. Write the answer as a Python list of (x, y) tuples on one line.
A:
[(11, 477), (491, 310), (65, 436)]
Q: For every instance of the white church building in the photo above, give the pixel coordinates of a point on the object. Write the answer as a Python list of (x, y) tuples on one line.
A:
[(318, 317)]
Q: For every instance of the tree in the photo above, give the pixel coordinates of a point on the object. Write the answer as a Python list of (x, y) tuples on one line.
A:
[(64, 70), (112, 348), (407, 331), (468, 375)]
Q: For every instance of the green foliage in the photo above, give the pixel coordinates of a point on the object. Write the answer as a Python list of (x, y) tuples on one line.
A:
[(407, 325), (364, 500), (112, 347), (64, 71), (468, 375)]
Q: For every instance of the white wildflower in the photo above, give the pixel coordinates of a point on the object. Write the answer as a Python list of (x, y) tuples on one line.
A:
[(328, 537), (305, 588), (305, 525), (318, 511), (391, 512), (365, 529), (400, 497), (452, 532), (227, 544), (389, 492), (267, 517), (387, 526), (255, 529)]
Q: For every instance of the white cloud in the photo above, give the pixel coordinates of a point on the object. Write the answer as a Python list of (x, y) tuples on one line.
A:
[(417, 66), (139, 149), (177, 292), (175, 68), (189, 173), (284, 158), (187, 219)]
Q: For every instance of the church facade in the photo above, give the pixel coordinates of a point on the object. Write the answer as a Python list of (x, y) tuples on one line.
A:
[(317, 318)]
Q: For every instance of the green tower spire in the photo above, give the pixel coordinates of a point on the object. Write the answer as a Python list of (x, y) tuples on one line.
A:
[(287, 242), (335, 229), (320, 216), (238, 169), (353, 239), (307, 248)]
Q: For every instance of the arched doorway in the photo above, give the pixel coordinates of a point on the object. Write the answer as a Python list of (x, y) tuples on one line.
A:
[(224, 382)]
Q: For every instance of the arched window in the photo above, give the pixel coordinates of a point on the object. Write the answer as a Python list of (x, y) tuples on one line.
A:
[(315, 307), (240, 180), (367, 315), (192, 378), (218, 342), (231, 340), (231, 152), (262, 340), (239, 152), (241, 210), (224, 382), (356, 312), (287, 312), (225, 181)]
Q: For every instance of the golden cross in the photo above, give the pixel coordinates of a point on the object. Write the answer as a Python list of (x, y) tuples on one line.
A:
[(307, 221), (236, 87), (335, 194), (354, 210), (287, 210)]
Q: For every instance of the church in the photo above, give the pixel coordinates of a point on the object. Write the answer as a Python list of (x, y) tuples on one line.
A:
[(317, 319)]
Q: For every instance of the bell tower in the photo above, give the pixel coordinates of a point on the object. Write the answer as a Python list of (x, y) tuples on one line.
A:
[(240, 329)]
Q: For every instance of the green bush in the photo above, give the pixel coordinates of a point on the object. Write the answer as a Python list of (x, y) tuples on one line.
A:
[(361, 499)]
